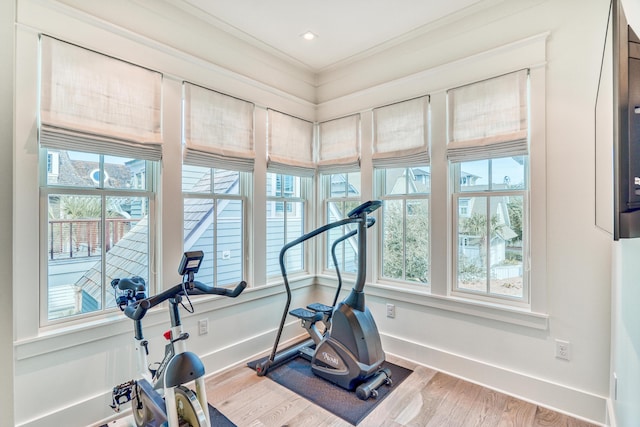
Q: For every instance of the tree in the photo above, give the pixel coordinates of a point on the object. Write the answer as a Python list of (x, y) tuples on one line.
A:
[(515, 209), (408, 252)]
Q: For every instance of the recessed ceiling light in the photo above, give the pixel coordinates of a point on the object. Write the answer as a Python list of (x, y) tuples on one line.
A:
[(309, 35)]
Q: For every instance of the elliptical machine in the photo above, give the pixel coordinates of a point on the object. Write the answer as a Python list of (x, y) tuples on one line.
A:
[(158, 397), (349, 353)]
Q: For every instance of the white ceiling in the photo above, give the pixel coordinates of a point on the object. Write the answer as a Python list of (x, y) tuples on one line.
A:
[(345, 28)]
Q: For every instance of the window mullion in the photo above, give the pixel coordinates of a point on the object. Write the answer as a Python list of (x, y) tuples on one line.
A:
[(404, 236), (103, 232), (215, 240), (487, 242)]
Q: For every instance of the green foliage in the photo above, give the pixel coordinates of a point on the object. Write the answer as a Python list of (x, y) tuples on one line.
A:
[(84, 207), (470, 271), (81, 207), (515, 209), (476, 225), (406, 253)]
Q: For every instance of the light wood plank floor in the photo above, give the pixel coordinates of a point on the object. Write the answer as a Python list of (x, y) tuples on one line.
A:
[(425, 398)]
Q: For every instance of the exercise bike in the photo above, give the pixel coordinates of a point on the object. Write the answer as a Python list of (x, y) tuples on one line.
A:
[(348, 352), (159, 396)]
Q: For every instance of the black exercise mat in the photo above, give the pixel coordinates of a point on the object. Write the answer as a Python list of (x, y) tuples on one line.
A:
[(217, 419), (296, 375)]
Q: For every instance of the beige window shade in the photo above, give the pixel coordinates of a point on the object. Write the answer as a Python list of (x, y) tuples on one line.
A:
[(339, 144), (401, 134), (95, 103), (488, 119), (218, 129), (289, 145)]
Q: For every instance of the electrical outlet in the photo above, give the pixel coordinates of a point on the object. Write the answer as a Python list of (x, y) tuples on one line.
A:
[(563, 350), (391, 310), (203, 326)]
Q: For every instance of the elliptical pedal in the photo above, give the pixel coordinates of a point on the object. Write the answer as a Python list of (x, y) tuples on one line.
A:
[(321, 308), (306, 315)]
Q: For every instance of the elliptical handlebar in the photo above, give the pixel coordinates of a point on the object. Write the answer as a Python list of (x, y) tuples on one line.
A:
[(138, 309), (366, 207), (370, 222)]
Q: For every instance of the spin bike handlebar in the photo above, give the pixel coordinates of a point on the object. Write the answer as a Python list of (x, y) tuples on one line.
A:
[(138, 309)]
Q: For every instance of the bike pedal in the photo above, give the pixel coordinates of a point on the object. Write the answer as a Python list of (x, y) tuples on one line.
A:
[(121, 394)]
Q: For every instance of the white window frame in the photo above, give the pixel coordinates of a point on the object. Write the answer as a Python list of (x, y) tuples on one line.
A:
[(305, 183), (326, 261), (529, 53), (99, 190), (380, 191), (216, 199), (489, 193)]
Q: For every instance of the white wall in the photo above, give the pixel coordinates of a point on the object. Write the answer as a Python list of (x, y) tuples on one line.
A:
[(625, 316), (6, 188), (576, 289), (625, 364), (501, 349), (70, 371)]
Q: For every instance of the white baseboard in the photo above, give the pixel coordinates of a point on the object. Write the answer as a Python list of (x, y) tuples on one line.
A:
[(558, 397), (611, 414)]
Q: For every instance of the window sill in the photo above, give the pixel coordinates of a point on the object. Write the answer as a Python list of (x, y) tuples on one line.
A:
[(513, 315), (69, 335), (496, 312)]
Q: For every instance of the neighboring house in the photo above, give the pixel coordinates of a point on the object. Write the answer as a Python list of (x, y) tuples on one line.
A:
[(83, 173), (472, 244), (199, 225)]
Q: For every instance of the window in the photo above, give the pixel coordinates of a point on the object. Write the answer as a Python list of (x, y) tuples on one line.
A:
[(100, 138), (290, 169), (214, 222), (405, 223), (342, 194), (285, 220), (218, 159), (403, 183), (492, 240), (338, 158), (488, 150), (96, 231)]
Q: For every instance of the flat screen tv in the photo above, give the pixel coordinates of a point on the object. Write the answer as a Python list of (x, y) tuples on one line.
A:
[(617, 130)]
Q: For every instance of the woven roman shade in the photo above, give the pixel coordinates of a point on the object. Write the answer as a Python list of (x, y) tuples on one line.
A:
[(401, 134), (289, 145), (218, 130), (95, 103), (339, 144), (488, 119)]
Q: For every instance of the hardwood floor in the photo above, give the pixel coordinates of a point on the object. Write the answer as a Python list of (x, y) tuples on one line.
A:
[(425, 398)]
